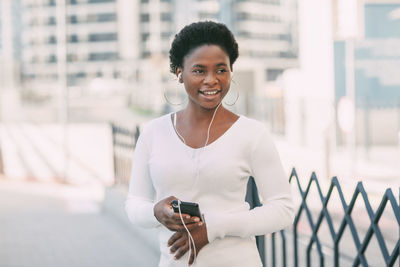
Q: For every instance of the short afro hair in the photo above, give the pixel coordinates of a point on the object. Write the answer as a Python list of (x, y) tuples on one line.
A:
[(198, 34)]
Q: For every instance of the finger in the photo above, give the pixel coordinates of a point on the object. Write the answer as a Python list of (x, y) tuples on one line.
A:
[(185, 217), (181, 242), (174, 237), (191, 260), (181, 251), (190, 227), (175, 223)]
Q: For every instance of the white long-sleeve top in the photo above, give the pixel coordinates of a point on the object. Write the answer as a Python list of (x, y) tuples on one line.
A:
[(163, 166)]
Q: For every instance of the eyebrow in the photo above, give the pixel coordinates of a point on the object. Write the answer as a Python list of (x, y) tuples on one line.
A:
[(202, 66)]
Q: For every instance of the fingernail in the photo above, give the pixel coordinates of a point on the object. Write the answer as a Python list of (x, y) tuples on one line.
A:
[(175, 258), (196, 219), (200, 223), (187, 217)]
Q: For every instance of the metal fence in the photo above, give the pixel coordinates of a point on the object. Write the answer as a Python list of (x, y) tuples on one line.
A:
[(124, 141), (330, 246), (327, 231)]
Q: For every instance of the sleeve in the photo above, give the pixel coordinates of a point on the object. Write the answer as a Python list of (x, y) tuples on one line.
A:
[(139, 204), (277, 211)]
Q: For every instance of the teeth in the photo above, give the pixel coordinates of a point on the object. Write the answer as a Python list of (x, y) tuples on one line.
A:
[(210, 92)]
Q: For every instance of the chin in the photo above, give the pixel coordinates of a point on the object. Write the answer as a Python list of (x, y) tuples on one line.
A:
[(210, 106)]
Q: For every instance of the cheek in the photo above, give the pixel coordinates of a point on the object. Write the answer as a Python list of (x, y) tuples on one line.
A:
[(226, 84)]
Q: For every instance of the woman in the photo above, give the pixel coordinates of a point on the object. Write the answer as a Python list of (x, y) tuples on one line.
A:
[(205, 154)]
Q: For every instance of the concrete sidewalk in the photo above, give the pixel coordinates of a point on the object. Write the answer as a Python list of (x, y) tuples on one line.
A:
[(45, 228)]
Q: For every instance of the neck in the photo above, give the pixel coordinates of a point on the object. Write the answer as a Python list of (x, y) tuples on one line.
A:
[(199, 115)]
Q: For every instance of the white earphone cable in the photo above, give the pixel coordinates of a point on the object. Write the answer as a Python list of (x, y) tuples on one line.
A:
[(191, 240)]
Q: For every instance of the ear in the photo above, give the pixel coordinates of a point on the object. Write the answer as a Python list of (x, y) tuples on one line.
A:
[(178, 73)]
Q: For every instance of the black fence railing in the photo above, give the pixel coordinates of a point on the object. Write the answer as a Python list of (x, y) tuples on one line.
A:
[(327, 231), (380, 255)]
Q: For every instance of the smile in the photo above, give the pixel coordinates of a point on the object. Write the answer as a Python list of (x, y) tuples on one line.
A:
[(211, 92)]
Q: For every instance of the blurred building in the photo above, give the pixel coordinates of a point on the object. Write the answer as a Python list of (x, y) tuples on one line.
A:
[(95, 47), (265, 30), (10, 42), (10, 51), (375, 62), (127, 41)]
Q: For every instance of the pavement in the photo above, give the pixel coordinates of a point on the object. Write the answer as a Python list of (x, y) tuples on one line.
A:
[(49, 225)]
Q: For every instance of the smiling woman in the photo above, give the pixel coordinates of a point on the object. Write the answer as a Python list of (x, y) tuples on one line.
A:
[(206, 154)]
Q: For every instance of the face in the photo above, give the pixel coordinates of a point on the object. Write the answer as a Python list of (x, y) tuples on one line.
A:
[(206, 75)]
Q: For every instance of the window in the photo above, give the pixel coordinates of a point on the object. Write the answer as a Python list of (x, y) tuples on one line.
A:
[(166, 17), (52, 40), (80, 75), (145, 36), (106, 17), (146, 54), (100, 1), (144, 17), (73, 19), (273, 74), (73, 38), (51, 21), (166, 35), (52, 59), (257, 17), (285, 37), (287, 54), (102, 37), (103, 56)]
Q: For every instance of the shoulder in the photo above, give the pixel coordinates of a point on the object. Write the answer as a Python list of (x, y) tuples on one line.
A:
[(156, 124), (151, 129), (251, 126), (256, 133)]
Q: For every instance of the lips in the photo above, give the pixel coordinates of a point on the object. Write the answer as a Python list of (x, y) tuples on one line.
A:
[(210, 92)]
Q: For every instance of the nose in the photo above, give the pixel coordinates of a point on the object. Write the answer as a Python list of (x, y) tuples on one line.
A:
[(210, 79)]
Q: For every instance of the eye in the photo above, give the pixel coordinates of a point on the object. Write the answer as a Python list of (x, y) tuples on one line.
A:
[(221, 70), (198, 71)]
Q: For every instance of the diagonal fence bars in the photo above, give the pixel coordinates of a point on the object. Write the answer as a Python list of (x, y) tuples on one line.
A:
[(318, 236), (389, 257), (333, 255)]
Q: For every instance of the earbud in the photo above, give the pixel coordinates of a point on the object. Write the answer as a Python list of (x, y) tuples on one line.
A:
[(180, 77)]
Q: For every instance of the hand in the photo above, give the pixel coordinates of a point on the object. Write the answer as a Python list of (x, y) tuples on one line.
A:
[(179, 242), (165, 215)]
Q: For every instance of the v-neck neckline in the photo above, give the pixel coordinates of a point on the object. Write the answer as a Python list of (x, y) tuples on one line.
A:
[(222, 136)]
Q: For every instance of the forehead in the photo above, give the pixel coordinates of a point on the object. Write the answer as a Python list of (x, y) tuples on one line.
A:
[(206, 55)]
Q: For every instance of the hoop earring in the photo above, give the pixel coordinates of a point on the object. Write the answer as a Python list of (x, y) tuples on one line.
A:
[(169, 102), (176, 94), (236, 99)]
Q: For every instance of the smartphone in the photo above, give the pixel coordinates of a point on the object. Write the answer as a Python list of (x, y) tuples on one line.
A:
[(187, 208)]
